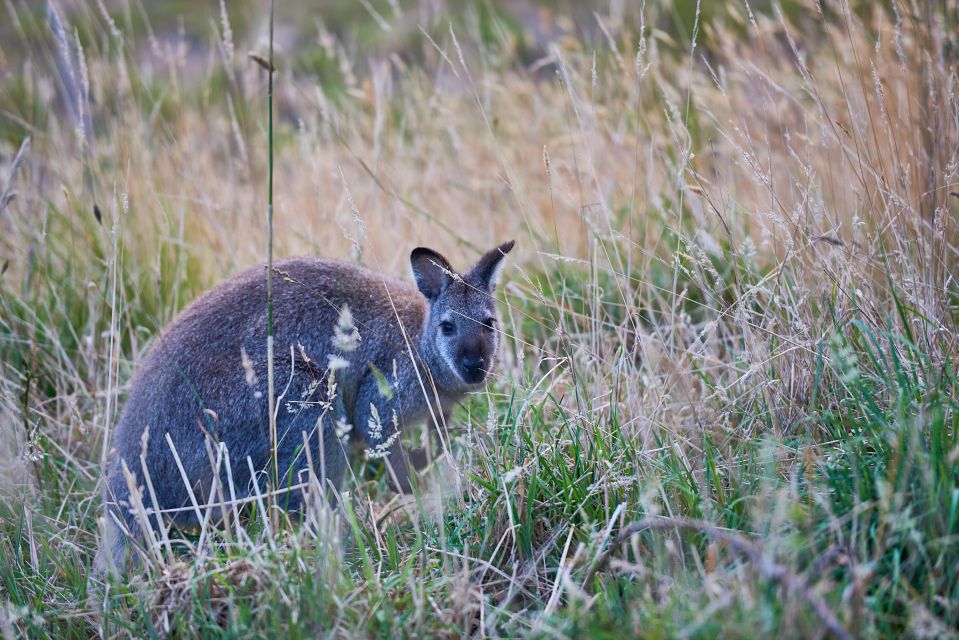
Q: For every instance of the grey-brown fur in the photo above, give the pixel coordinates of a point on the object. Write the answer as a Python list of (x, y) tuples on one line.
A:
[(207, 377)]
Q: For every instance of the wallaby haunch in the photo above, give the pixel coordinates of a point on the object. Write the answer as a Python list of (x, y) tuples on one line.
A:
[(355, 351)]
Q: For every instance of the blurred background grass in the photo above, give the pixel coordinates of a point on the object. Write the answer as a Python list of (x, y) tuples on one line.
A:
[(510, 32)]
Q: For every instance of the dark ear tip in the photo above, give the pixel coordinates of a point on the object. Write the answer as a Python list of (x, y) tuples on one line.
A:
[(506, 247), (419, 251)]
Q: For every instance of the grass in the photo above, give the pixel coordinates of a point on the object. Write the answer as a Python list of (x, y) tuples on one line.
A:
[(730, 317)]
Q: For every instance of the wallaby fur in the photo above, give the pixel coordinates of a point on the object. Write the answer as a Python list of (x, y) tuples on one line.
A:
[(411, 352)]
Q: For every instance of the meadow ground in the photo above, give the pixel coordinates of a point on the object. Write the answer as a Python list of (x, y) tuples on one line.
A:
[(726, 404)]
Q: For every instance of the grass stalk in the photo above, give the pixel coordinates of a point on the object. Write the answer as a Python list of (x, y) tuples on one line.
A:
[(271, 401)]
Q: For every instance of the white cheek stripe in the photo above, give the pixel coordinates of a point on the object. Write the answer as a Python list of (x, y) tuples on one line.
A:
[(492, 356), (445, 352)]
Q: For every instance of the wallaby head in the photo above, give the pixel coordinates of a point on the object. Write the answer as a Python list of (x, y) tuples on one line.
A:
[(460, 334)]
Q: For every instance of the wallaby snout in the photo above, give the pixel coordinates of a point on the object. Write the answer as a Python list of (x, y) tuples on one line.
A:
[(475, 350), (473, 370), (331, 318)]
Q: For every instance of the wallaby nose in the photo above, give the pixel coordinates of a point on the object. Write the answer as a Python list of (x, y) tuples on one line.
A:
[(473, 363)]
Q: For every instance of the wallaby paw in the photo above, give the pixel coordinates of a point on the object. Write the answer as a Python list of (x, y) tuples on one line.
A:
[(401, 485), (419, 458)]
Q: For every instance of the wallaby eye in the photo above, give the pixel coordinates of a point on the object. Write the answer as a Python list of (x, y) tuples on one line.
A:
[(490, 323), (447, 327)]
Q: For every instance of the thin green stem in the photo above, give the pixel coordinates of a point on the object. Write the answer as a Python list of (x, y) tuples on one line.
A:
[(269, 267)]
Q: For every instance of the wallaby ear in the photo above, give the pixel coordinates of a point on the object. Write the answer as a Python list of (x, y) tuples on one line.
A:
[(431, 271), (486, 271)]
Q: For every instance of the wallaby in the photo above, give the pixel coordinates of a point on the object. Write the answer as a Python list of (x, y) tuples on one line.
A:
[(354, 350)]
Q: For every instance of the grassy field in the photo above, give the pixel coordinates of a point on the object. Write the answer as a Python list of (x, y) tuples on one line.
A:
[(727, 400)]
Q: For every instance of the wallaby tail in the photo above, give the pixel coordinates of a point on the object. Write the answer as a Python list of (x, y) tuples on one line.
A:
[(121, 532)]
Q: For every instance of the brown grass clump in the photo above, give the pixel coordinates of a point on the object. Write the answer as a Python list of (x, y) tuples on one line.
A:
[(178, 588)]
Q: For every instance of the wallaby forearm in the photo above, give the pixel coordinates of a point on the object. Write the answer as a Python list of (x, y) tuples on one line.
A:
[(398, 468)]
